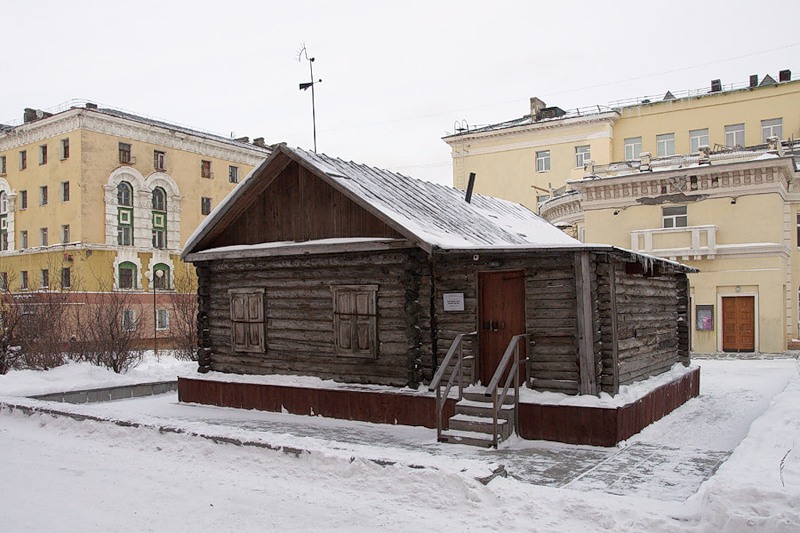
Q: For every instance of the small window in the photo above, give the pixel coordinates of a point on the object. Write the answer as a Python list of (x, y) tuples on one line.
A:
[(23, 239), (543, 161), (697, 138), (129, 320), (771, 128), (159, 199), (233, 174), (665, 144), (43, 236), (125, 194), (127, 275), (674, 217), (583, 155), (3, 203), (23, 159), (162, 319), (125, 153), (23, 199), (64, 149), (355, 320), (247, 320), (2, 165), (205, 169), (159, 160), (43, 154), (633, 148), (205, 205), (45, 278), (161, 276), (65, 191), (66, 278), (23, 280), (65, 233), (43, 195), (734, 135)]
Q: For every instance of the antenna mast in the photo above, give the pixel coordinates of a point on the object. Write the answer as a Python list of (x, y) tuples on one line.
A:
[(304, 86)]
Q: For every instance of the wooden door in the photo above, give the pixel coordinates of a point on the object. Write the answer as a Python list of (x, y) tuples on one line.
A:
[(738, 324), (501, 315)]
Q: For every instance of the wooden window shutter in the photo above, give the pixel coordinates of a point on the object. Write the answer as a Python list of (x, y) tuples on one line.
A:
[(247, 320), (355, 320)]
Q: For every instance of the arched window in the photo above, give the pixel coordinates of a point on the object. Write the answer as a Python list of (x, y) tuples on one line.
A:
[(125, 214), (127, 275), (3, 221), (159, 218), (161, 276)]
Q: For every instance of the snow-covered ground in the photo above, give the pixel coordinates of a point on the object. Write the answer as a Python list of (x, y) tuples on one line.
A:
[(59, 474)]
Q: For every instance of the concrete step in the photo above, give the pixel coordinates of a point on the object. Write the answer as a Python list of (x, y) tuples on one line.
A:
[(470, 438), (480, 424)]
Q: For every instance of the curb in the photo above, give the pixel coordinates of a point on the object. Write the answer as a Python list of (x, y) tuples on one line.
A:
[(107, 394)]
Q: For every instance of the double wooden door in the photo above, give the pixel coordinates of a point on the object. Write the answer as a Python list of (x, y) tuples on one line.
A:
[(738, 324), (501, 315)]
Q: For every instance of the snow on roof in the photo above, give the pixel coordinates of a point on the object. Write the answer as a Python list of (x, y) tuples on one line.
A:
[(435, 214)]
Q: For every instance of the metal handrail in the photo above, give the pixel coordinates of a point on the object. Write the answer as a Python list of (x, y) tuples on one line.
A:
[(498, 400), (441, 399)]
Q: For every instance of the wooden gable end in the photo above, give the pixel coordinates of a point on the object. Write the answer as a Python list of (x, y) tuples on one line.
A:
[(299, 206)]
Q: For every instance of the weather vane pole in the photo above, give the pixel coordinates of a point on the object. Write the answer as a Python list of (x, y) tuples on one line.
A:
[(304, 86)]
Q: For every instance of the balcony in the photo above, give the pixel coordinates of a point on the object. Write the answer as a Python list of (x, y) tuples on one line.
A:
[(691, 242)]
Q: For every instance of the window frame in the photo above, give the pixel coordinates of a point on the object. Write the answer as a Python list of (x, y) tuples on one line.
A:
[(127, 266), (734, 133), (43, 154), (66, 278), (128, 319), (696, 140), (674, 216), (165, 286), (65, 191), (44, 278), (768, 127), (583, 154), (23, 238), (205, 205), (65, 236), (543, 161), (665, 144), (43, 195), (162, 319), (23, 199), (23, 159), (248, 319), (233, 174), (159, 160), (3, 165), (65, 149), (23, 280), (355, 320), (205, 169), (43, 237), (125, 153)]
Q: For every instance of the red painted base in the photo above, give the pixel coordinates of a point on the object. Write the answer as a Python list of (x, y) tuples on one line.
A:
[(570, 424)]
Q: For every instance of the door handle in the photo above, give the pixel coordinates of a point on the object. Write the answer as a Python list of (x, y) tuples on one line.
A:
[(502, 325)]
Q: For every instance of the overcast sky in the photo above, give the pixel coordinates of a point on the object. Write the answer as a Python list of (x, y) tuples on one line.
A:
[(396, 75)]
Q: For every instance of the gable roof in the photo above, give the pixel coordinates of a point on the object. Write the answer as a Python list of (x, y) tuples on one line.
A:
[(428, 214)]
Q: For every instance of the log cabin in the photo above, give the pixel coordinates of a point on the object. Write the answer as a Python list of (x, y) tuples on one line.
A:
[(314, 266)]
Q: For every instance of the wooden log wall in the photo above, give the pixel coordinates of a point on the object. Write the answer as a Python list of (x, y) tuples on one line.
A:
[(299, 315), (648, 339)]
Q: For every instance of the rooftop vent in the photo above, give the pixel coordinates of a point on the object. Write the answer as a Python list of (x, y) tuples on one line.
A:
[(259, 141), (753, 80), (242, 139), (536, 108), (716, 86), (90, 105), (785, 75), (552, 112), (768, 80), (32, 115), (669, 96)]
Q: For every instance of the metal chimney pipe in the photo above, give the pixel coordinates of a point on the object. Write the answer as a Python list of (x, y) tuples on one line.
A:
[(470, 186)]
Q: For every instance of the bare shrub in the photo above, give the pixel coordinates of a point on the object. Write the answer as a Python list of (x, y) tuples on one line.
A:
[(183, 307)]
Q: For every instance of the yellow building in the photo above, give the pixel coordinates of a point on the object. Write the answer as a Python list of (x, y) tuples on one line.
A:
[(529, 158), (98, 200)]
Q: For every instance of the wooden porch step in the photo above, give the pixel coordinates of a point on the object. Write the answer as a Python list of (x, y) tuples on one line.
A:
[(470, 438), (484, 409), (480, 424), (477, 396)]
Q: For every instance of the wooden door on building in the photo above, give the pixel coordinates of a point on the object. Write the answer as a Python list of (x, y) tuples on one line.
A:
[(501, 315), (738, 324)]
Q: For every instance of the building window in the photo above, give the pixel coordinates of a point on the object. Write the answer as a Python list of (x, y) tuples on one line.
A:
[(233, 174), (159, 160), (23, 239), (543, 161), (43, 236), (66, 278), (43, 154), (64, 148), (2, 165), (125, 214), (159, 217), (205, 169), (23, 159), (65, 191), (205, 205), (734, 135), (633, 147), (162, 319), (665, 144), (697, 138), (129, 320), (3, 221), (127, 275), (43, 195), (125, 153), (45, 279), (771, 128), (247, 320), (582, 155), (23, 199), (674, 217), (65, 233), (161, 276), (355, 320), (23, 280)]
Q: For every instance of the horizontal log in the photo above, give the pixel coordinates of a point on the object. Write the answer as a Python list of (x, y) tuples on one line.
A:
[(567, 386)]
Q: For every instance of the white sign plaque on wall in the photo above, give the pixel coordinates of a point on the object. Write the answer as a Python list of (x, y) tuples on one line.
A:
[(454, 301)]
